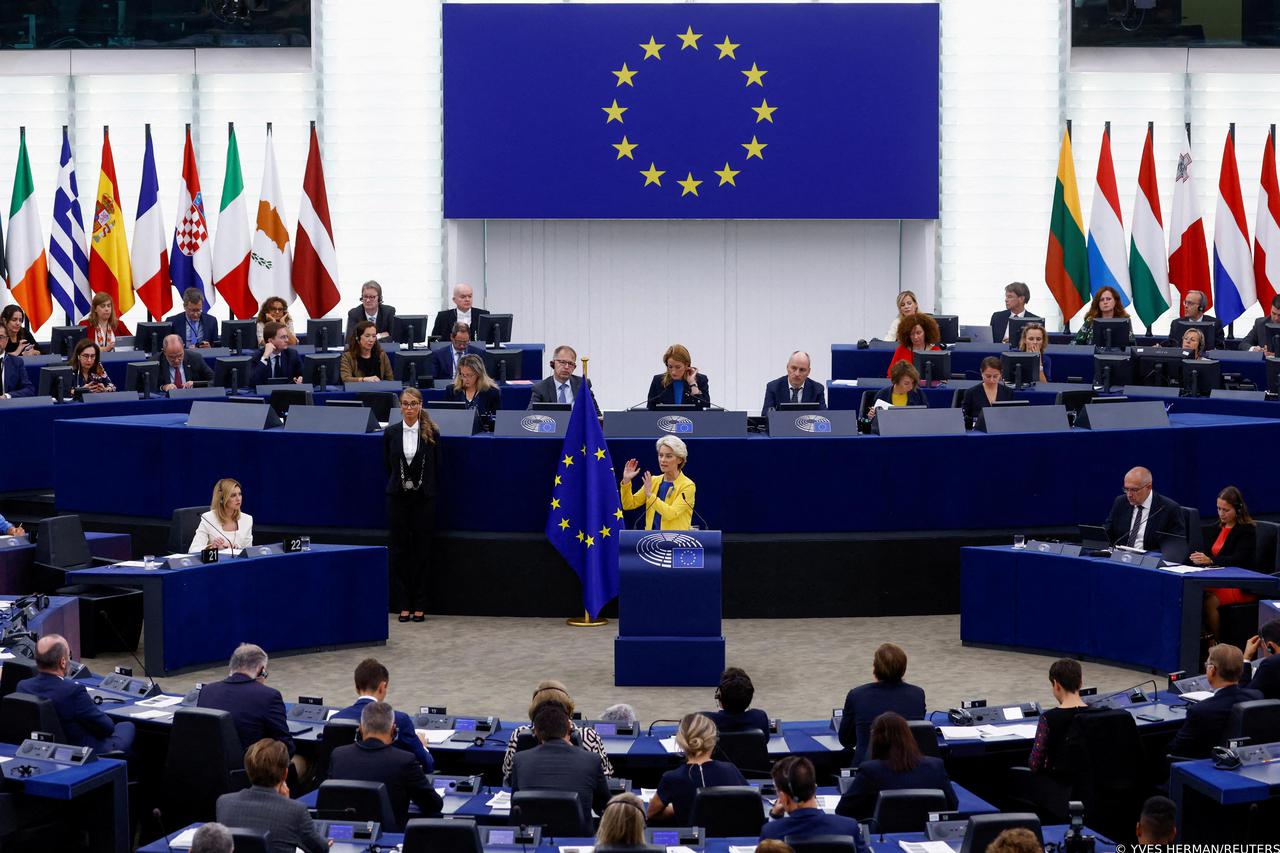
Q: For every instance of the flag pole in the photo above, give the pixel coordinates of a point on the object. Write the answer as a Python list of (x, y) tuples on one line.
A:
[(149, 317), (1231, 133), (1066, 321), (68, 314), (585, 620), (1150, 135)]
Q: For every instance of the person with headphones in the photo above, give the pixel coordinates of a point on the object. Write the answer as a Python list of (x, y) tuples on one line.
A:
[(224, 525), (796, 815), (1266, 673), (622, 823), (583, 736), (734, 697), (673, 802), (1235, 545), (562, 386)]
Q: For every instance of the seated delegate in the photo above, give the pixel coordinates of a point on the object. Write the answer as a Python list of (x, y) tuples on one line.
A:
[(1235, 544), (1207, 720), (14, 381), (622, 823), (886, 692), (1107, 305), (562, 386), (19, 341), (88, 376), (224, 525), (181, 367), (372, 310), (10, 529), (1266, 672), (1140, 514), (734, 697), (916, 333), (102, 323), (697, 738), (1193, 342), (557, 765), (1016, 297), (1034, 339), (371, 680), (795, 387), (1193, 305), (667, 502), (256, 709), (276, 360), (374, 758), (267, 805), (196, 328), (991, 390), (83, 722), (894, 763), (907, 305), (473, 386), (364, 360), (682, 384), (796, 814), (586, 736), (903, 392), (445, 361), (274, 310), (1257, 340)]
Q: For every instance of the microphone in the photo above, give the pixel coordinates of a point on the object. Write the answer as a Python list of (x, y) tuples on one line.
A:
[(235, 337), (57, 389), (413, 375), (106, 620), (146, 385), (412, 335), (155, 813), (235, 379), (322, 372), (323, 334), (646, 402), (685, 498), (649, 731)]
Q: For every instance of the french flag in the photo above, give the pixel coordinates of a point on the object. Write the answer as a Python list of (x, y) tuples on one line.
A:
[(1233, 285)]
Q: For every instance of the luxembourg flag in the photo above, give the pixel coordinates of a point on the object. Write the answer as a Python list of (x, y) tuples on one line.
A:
[(1108, 260), (1233, 287), (191, 256)]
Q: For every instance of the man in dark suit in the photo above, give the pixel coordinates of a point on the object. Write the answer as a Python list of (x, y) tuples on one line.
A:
[(83, 722), (372, 679), (14, 381), (1140, 514), (734, 695), (258, 710), (1206, 720), (558, 765), (1193, 304), (1266, 673), (373, 758), (796, 814), (276, 360), (1256, 340), (888, 692), (372, 309), (462, 312), (445, 360), (1016, 297), (191, 324), (267, 807), (795, 387), (181, 368), (562, 386)]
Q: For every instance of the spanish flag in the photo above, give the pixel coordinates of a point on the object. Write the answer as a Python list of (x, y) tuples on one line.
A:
[(109, 270), (1066, 264)]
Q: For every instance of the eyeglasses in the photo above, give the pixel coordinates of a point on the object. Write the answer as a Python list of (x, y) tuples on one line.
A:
[(411, 404), (1134, 491), (560, 362)]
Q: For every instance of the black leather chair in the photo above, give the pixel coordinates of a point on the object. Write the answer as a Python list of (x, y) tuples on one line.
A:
[(249, 841), (1195, 531), (13, 672), (527, 740), (349, 799), (1108, 770), (926, 736), (1268, 544), (60, 548), (730, 810), (747, 749), (821, 844), (1238, 622), (983, 829), (382, 402), (1257, 719), (906, 809), (437, 835), (182, 529), (204, 761), (864, 403), (557, 812), (336, 733), (21, 714)]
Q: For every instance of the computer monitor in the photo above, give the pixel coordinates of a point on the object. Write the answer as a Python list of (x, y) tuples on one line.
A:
[(1200, 376), (1271, 332), (1273, 375), (934, 366), (143, 377), (1110, 371), (240, 335), (493, 329), (382, 402), (55, 381), (1206, 328), (233, 371), (321, 369), (149, 337), (503, 365), (63, 339), (409, 329), (948, 327), (324, 333), (1017, 324), (1074, 401), (811, 406), (456, 405), (1158, 366), (552, 407), (413, 368), (1111, 333), (291, 395), (1020, 368)]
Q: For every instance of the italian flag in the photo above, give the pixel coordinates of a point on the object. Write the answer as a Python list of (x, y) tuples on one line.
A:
[(27, 264), (1148, 273), (1066, 265), (231, 248)]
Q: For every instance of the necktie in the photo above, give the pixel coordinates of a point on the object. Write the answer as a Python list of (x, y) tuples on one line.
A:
[(177, 376), (275, 366), (457, 356), (1133, 531), (564, 392), (795, 395)]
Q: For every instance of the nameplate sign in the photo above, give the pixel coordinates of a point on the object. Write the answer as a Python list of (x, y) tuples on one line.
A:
[(263, 550), (14, 541), (25, 402), (381, 385), (694, 424), (213, 392), (815, 424), (541, 424), (1146, 561), (109, 396)]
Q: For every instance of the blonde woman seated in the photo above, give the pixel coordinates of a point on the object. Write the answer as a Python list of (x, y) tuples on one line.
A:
[(364, 360), (224, 525), (474, 387), (1034, 339), (697, 738), (1193, 341), (907, 305), (554, 691), (667, 502), (622, 823)]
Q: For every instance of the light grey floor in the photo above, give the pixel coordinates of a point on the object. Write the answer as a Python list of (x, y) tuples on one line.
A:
[(801, 667)]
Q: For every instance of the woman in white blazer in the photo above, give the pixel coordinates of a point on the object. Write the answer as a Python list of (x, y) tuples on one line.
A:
[(224, 525)]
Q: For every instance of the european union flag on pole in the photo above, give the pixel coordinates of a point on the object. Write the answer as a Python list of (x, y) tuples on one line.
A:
[(586, 511)]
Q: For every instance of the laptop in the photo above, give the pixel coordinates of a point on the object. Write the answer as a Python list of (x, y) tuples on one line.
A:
[(976, 334), (1174, 549), (1094, 537)]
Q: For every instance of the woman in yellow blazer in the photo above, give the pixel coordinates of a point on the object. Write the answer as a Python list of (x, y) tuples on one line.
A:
[(668, 501)]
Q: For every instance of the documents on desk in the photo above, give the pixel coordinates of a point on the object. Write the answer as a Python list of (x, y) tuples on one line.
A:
[(669, 744), (186, 838), (647, 794), (926, 847), (1197, 695), (742, 848), (828, 802), (161, 701), (1015, 732), (1185, 570), (155, 714), (500, 802), (435, 736)]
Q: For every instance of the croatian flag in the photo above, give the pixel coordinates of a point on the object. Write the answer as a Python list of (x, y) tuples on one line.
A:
[(1108, 259), (191, 258), (1233, 286)]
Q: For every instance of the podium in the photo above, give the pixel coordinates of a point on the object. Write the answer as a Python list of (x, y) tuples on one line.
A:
[(669, 609)]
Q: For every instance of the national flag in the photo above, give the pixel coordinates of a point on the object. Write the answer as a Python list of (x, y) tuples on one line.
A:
[(69, 265), (109, 270), (271, 262), (585, 518), (1107, 267), (26, 262), (150, 259), (191, 255), (231, 249), (1266, 236), (1148, 273), (1188, 255), (1066, 265), (1233, 287), (315, 261)]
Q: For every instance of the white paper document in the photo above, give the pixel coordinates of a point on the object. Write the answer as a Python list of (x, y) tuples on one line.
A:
[(828, 802), (647, 794), (959, 732), (669, 744), (500, 801), (745, 848), (161, 701), (185, 838), (926, 847), (435, 735), (1198, 695), (156, 714)]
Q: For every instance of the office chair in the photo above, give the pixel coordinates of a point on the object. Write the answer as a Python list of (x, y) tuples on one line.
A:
[(729, 810), (249, 841), (13, 672), (747, 749), (437, 835), (559, 813), (182, 529), (983, 829), (822, 844), (348, 799), (21, 714), (906, 809), (1257, 719), (336, 733), (204, 761), (926, 737)]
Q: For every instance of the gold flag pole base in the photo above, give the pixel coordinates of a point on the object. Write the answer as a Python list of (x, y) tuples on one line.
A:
[(585, 621)]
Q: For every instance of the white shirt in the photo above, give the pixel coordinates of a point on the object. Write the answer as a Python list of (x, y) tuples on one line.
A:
[(1142, 525), (210, 527), (1013, 316), (466, 318), (410, 444)]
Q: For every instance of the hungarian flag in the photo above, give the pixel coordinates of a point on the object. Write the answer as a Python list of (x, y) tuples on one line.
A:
[(1266, 237), (271, 264), (109, 270), (315, 262), (69, 270), (26, 261), (1066, 265), (1107, 267), (1148, 273), (1188, 255), (150, 260), (231, 249), (191, 255), (1233, 286)]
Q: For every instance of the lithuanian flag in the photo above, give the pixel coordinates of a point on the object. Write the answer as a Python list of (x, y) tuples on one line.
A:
[(109, 269), (1066, 265)]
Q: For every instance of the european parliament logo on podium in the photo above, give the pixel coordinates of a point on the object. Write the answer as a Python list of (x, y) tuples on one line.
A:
[(668, 549)]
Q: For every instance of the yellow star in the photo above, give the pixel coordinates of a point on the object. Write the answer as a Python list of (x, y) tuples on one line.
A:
[(689, 38), (568, 460), (755, 75), (726, 175), (727, 48), (555, 503), (652, 175), (557, 479), (615, 112), (605, 531), (625, 75), (754, 148), (564, 524), (617, 513), (764, 112), (580, 536), (600, 453), (624, 148), (652, 49), (591, 540), (689, 185)]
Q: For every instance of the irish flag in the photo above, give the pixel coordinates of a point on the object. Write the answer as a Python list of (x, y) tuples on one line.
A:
[(1147, 271), (27, 263), (109, 270), (1266, 237), (1233, 287), (1066, 265), (231, 248), (1107, 266)]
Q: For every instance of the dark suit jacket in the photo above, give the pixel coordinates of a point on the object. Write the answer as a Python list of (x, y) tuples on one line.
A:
[(442, 359), (806, 823), (374, 761), (83, 722), (1257, 336), (560, 766), (1178, 326), (16, 381), (866, 702), (874, 776), (975, 399), (1266, 677), (393, 451), (1166, 517), (386, 318), (658, 394), (256, 709), (208, 327), (1000, 324), (486, 402), (264, 810), (290, 366), (546, 391), (194, 368), (443, 327), (778, 391), (1206, 720), (406, 737), (752, 718), (1240, 549)]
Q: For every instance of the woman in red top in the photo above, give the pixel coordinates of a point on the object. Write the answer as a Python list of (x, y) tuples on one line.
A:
[(916, 333), (104, 325), (1235, 545)]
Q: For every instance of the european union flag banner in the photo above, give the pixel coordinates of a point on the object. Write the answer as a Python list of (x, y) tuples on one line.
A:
[(691, 111), (586, 511)]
